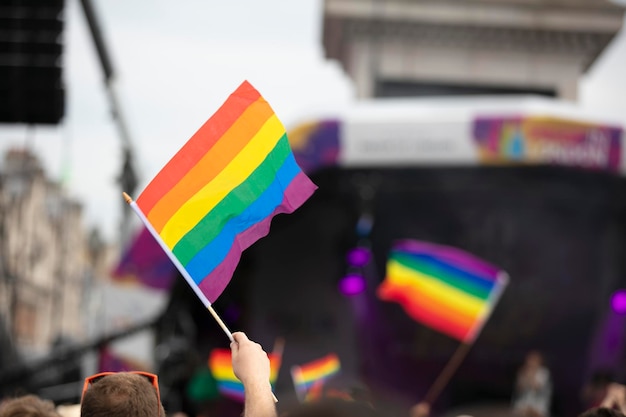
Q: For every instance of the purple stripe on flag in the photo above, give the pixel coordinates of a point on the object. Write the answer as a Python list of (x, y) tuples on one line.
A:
[(232, 393), (454, 256), (296, 193)]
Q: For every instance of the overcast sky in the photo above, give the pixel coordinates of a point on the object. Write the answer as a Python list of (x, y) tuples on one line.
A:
[(178, 61)]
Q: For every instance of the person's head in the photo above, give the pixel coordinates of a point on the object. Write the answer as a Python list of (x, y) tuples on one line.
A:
[(534, 359), (601, 412), (27, 406), (121, 394)]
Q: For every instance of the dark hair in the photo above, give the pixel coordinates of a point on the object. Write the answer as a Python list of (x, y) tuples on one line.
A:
[(121, 395), (601, 412), (28, 406)]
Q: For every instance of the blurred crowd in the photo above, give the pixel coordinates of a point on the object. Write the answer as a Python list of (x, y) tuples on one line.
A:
[(137, 393)]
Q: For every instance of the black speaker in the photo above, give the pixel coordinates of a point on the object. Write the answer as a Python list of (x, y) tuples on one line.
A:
[(31, 67)]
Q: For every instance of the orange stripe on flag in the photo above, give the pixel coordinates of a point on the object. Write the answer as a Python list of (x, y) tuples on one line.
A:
[(200, 142), (428, 311), (212, 163)]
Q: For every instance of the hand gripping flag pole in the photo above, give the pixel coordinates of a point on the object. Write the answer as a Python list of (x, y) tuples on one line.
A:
[(183, 271), (219, 193)]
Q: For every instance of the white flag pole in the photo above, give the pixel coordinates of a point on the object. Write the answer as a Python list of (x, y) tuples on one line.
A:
[(178, 265)]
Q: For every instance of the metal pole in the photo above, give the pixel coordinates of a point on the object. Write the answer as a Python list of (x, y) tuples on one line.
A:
[(128, 176)]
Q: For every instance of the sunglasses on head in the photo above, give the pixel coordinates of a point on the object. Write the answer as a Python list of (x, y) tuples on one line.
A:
[(152, 378)]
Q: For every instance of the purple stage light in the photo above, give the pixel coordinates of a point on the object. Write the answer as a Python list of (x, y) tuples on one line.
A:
[(358, 257), (618, 302), (352, 284)]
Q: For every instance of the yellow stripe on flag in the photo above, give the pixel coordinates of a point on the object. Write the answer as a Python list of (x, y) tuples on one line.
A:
[(451, 297), (234, 174)]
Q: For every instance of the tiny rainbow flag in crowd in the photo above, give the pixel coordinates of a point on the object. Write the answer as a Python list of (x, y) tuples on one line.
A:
[(220, 364), (316, 392), (315, 373), (219, 193), (442, 287)]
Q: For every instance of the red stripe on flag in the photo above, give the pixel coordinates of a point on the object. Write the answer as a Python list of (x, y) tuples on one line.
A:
[(427, 311), (184, 160)]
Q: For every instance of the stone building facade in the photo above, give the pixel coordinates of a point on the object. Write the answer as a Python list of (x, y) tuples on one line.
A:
[(44, 257), (450, 47)]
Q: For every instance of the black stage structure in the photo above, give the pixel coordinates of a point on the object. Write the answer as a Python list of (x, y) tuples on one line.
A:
[(559, 232)]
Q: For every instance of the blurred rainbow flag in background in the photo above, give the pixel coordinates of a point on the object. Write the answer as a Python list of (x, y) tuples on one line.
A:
[(316, 392), (442, 287), (144, 262), (220, 364), (219, 193), (314, 374), (315, 145)]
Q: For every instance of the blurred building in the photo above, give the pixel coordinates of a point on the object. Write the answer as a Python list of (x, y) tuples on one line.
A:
[(44, 257), (394, 48)]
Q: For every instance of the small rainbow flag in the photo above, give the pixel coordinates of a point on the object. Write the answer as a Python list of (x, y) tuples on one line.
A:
[(220, 364), (442, 287), (316, 392), (315, 373), (219, 193)]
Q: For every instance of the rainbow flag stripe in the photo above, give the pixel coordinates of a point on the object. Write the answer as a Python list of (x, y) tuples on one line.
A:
[(220, 364), (441, 287), (315, 372), (316, 392), (219, 193)]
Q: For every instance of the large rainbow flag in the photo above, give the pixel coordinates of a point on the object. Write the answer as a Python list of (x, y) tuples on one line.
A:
[(315, 373), (442, 287), (219, 193), (220, 364)]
